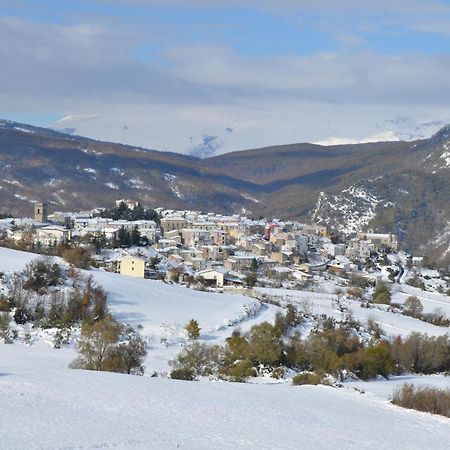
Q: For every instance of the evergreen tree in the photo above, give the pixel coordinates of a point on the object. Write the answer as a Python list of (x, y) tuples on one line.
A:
[(123, 237), (119, 211), (193, 329), (138, 212), (135, 236), (382, 294)]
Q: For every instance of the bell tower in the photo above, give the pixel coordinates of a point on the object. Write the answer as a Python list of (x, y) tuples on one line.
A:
[(40, 212)]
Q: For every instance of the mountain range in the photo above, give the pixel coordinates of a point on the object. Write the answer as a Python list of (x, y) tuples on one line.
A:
[(400, 187)]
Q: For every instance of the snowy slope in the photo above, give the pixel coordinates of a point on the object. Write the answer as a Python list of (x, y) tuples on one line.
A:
[(48, 406), (348, 211), (430, 300), (13, 260), (164, 310), (392, 324), (161, 311), (384, 388), (152, 303), (155, 305)]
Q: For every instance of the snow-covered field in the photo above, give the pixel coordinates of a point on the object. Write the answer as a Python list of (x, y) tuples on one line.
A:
[(161, 311), (384, 388), (164, 310), (153, 303), (13, 261), (45, 405), (430, 300), (392, 324)]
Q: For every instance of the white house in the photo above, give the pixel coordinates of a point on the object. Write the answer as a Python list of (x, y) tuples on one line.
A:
[(214, 277), (52, 234)]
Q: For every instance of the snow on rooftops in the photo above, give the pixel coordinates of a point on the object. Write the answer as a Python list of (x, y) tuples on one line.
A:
[(281, 269)]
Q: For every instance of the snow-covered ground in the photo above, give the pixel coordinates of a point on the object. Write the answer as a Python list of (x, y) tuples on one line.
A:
[(430, 300), (384, 388), (45, 405), (161, 311), (324, 303), (13, 261)]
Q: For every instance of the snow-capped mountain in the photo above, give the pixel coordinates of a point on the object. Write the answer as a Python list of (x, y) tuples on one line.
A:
[(406, 129)]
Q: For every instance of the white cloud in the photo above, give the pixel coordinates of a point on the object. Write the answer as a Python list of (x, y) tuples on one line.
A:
[(87, 72), (364, 77), (379, 137)]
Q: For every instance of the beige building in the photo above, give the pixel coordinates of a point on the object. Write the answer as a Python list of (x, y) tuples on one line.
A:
[(132, 266), (359, 249), (233, 229), (173, 223), (239, 263), (380, 241), (303, 277), (192, 237)]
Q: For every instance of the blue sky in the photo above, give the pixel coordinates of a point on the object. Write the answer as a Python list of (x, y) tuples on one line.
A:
[(165, 74)]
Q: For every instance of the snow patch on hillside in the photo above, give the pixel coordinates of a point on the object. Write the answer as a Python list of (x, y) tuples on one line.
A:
[(137, 183), (25, 130), (117, 170), (446, 158), (14, 182), (53, 182), (90, 170), (348, 211), (439, 158), (249, 197), (112, 185), (171, 179), (24, 198)]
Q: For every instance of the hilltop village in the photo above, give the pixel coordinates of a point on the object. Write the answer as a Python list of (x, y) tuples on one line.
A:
[(213, 251)]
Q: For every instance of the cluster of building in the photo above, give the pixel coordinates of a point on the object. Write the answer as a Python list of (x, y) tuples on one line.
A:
[(223, 249), (219, 248), (59, 227)]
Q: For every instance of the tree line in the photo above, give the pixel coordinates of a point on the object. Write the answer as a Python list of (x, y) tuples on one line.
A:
[(330, 349)]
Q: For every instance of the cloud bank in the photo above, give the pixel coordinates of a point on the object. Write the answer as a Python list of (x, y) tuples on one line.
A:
[(89, 71)]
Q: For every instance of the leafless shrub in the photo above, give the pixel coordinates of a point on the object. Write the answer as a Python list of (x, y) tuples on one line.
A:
[(423, 398)]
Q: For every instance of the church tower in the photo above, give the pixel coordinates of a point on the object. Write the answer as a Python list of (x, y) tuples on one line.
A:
[(40, 212)]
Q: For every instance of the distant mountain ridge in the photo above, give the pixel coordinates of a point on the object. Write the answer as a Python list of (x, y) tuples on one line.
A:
[(402, 187)]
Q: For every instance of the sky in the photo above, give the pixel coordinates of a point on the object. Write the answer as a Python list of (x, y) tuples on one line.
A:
[(205, 76)]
